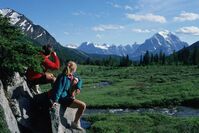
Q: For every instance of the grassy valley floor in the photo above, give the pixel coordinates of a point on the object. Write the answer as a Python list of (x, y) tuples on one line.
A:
[(136, 87), (139, 87), (142, 123)]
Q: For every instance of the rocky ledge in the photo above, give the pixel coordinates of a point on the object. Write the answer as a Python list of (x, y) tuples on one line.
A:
[(25, 112)]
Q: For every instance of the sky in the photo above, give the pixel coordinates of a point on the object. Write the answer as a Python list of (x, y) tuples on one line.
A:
[(118, 22)]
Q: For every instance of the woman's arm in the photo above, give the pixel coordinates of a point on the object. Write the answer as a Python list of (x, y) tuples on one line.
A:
[(79, 84), (48, 64)]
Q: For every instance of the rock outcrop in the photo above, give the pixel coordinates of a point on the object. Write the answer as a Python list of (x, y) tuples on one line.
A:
[(9, 117), (27, 113), (61, 119)]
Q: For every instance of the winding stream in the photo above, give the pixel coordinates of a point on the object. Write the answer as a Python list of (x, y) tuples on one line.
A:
[(179, 111)]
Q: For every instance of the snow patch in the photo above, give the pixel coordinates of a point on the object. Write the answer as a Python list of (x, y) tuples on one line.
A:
[(14, 18), (29, 27), (87, 43), (71, 46), (38, 36), (104, 46), (23, 23), (23, 28), (4, 12), (157, 40), (164, 33)]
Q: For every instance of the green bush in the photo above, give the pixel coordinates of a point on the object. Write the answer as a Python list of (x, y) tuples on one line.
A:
[(17, 52)]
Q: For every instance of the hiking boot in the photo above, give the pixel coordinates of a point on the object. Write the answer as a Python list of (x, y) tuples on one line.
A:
[(76, 126)]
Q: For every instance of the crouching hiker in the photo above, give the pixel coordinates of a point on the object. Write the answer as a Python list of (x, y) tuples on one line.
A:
[(63, 92), (36, 78)]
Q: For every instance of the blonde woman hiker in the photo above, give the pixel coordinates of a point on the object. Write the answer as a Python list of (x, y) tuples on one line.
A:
[(62, 93)]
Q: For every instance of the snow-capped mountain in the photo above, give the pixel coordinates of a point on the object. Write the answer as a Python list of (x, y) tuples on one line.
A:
[(105, 49), (72, 46), (33, 31), (92, 48), (164, 41), (39, 34)]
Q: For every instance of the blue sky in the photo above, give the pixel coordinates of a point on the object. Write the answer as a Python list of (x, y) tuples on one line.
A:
[(111, 21)]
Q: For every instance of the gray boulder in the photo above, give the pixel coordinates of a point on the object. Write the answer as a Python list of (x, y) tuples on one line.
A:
[(9, 117), (30, 113), (20, 99), (61, 119)]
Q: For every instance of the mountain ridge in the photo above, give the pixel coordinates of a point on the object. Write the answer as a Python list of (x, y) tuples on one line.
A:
[(105, 49), (164, 41), (41, 35)]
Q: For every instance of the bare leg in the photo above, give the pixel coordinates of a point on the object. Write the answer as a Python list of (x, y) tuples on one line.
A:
[(81, 106)]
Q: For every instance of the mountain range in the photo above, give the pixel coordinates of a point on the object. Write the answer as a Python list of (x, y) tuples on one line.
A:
[(164, 41), (105, 49)]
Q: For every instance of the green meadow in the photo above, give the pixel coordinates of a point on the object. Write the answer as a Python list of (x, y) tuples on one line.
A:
[(139, 87), (142, 123), (135, 87)]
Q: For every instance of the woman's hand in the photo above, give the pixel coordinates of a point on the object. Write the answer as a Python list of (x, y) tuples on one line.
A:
[(78, 91), (75, 92), (53, 53), (53, 104)]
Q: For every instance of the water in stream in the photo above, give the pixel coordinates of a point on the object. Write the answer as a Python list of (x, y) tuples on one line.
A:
[(179, 111)]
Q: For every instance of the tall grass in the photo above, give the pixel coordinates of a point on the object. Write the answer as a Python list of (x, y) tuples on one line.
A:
[(138, 86), (133, 87), (142, 123)]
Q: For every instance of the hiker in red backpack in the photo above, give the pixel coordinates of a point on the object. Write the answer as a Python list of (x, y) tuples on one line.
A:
[(36, 78)]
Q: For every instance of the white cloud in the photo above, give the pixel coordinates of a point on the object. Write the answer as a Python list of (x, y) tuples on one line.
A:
[(147, 17), (192, 30), (114, 5), (186, 16), (107, 27), (82, 13), (127, 7), (79, 13), (141, 30)]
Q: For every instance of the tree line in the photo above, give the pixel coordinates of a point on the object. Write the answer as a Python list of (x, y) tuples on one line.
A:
[(150, 58), (185, 56), (123, 61)]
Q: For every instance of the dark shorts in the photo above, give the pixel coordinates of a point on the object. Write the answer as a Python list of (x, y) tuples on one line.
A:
[(41, 101), (41, 80), (66, 101)]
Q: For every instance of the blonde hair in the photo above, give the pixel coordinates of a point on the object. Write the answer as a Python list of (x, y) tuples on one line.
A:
[(70, 67)]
